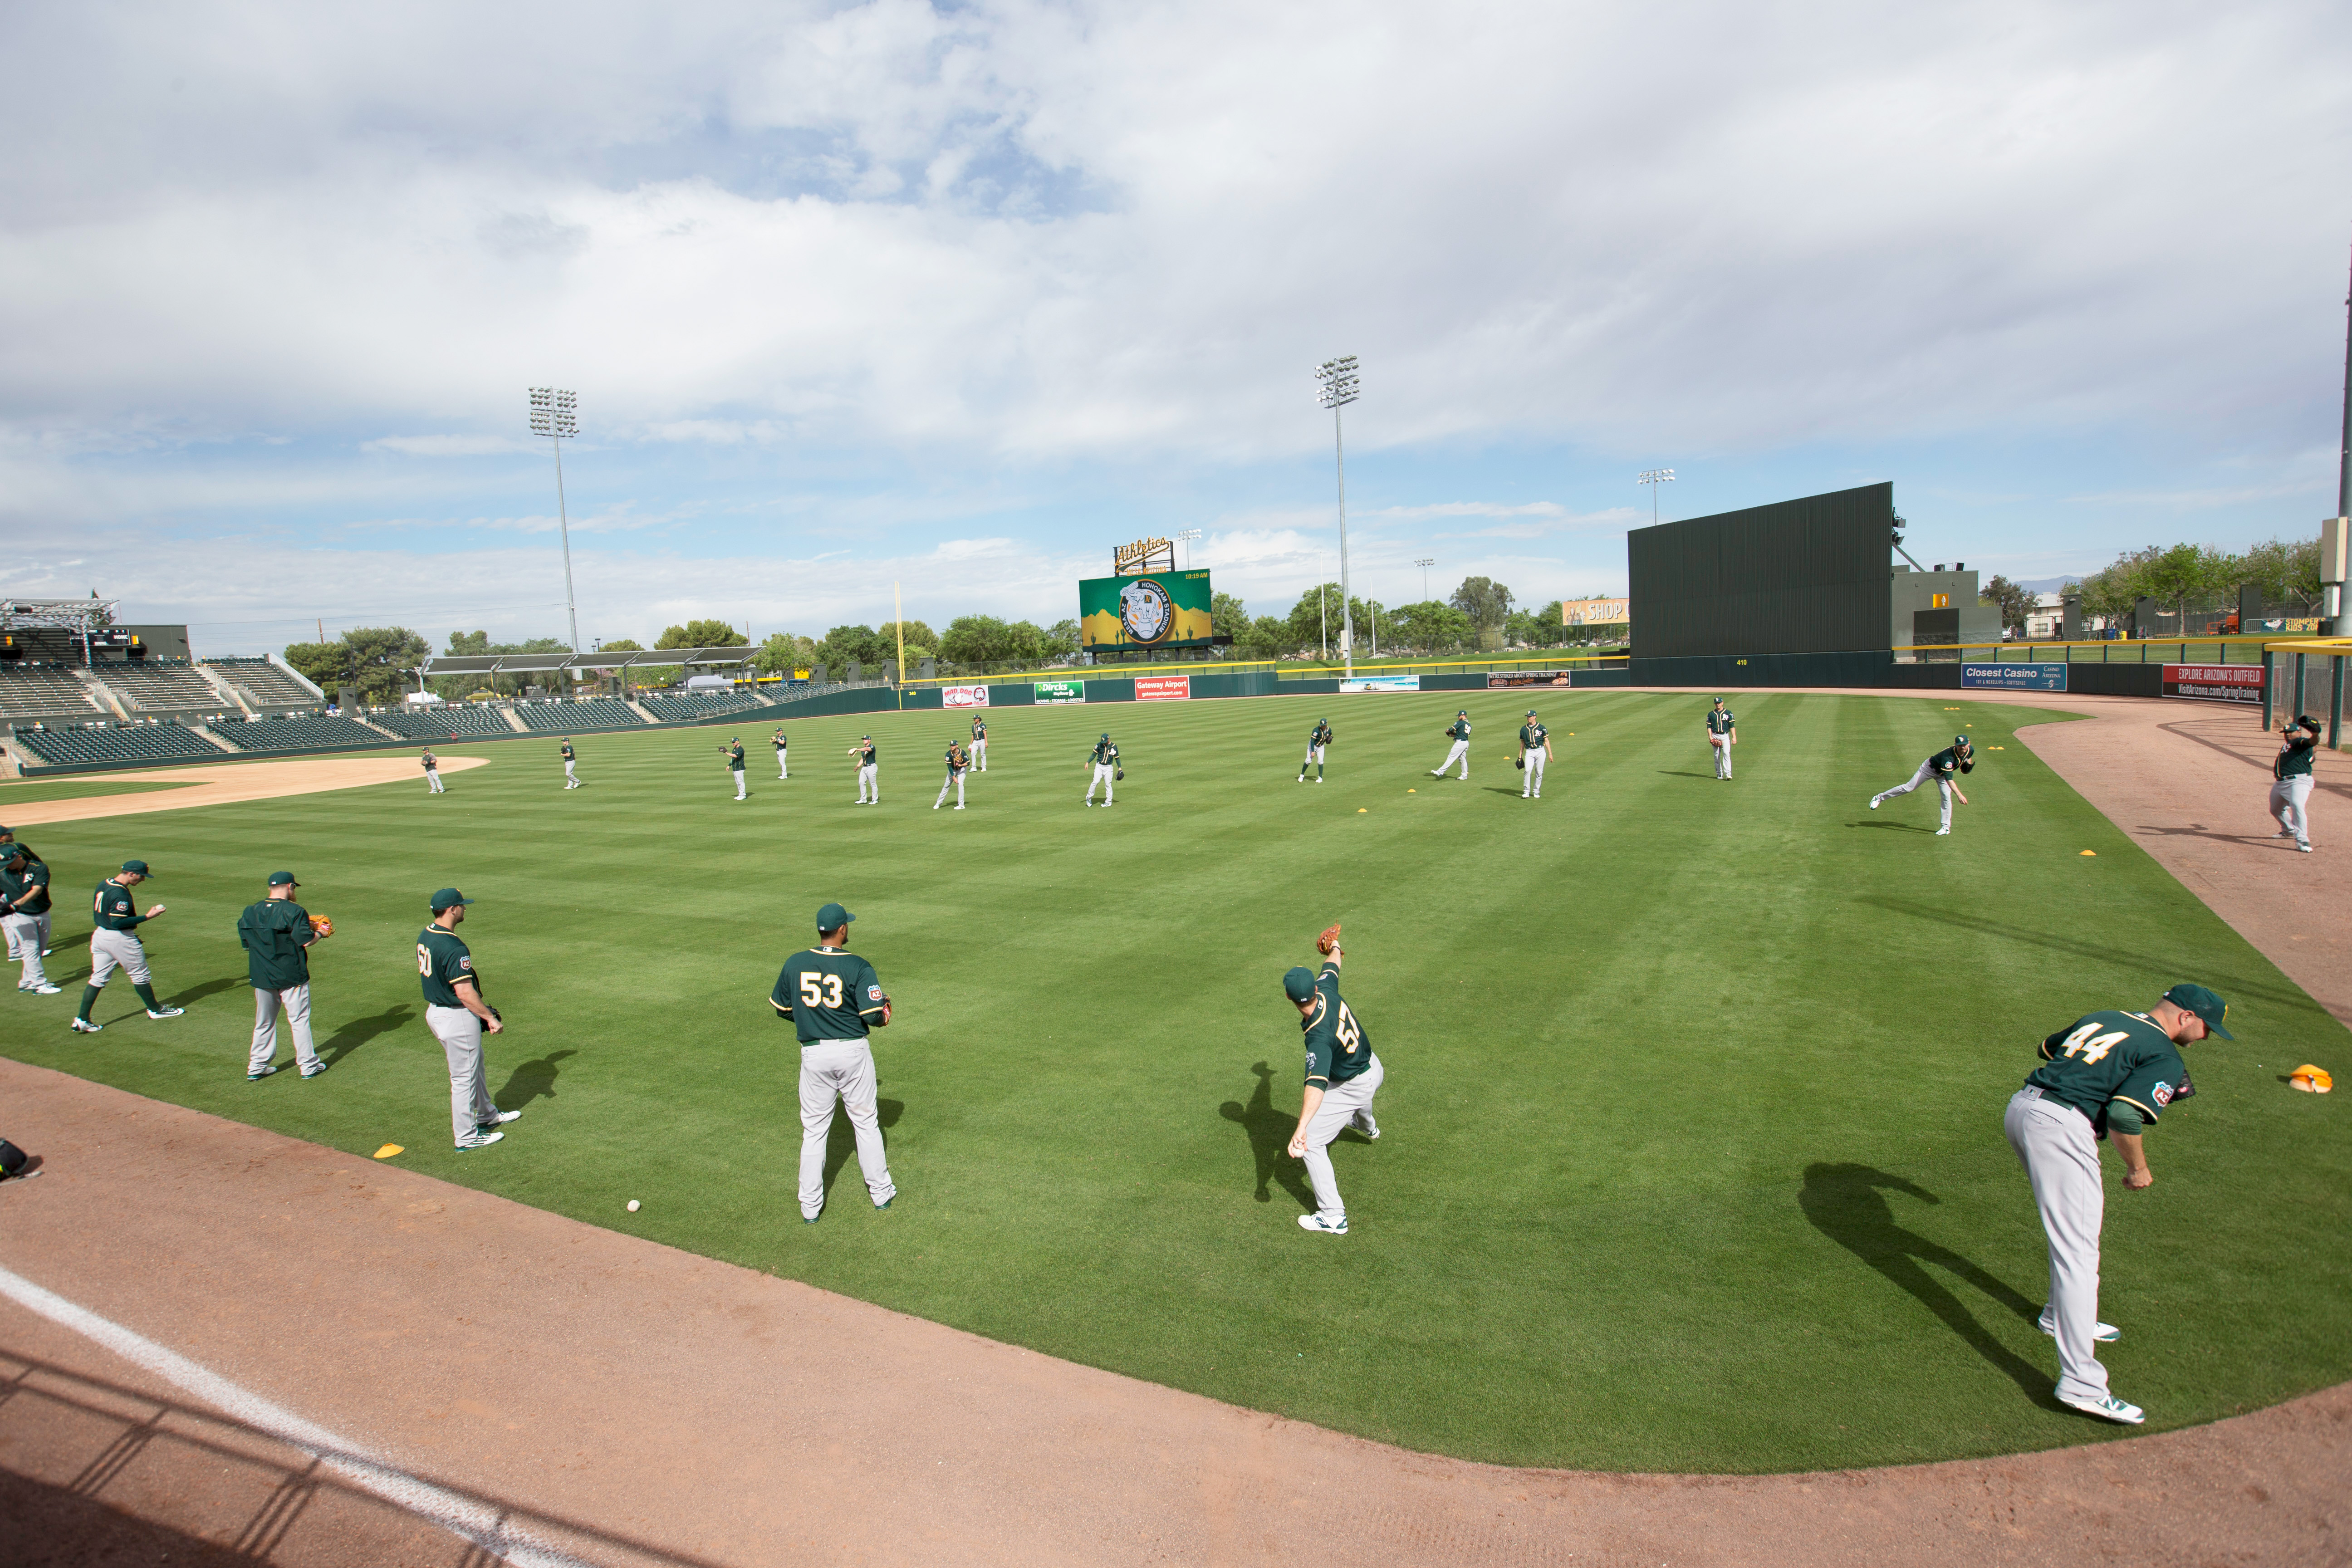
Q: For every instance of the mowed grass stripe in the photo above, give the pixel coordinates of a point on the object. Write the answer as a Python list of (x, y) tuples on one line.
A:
[(1692, 1157)]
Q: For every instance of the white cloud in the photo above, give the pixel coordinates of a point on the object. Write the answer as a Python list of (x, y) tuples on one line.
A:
[(447, 446)]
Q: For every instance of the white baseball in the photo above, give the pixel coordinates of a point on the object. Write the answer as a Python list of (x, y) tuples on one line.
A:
[(633, 1205)]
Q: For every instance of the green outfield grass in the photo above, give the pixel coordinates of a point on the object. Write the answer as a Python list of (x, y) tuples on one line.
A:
[(1693, 1155)]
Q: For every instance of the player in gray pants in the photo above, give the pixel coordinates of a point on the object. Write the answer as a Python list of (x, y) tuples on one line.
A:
[(1342, 1077), (25, 910)]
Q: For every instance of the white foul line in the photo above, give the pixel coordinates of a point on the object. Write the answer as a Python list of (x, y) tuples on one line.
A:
[(473, 1519)]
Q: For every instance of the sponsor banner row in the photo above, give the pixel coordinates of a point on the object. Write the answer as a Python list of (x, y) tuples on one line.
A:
[(1050, 692), (2014, 677), (1499, 682), (1163, 687), (1382, 683), (964, 695), (2214, 682)]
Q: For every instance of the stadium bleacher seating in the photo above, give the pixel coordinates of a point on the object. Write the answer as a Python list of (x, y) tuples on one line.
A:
[(560, 717), (264, 684), (43, 691), (701, 705), (444, 723), (115, 743), (299, 731), (160, 687)]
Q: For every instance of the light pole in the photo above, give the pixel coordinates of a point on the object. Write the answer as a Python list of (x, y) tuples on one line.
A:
[(1654, 477), (555, 415), (1186, 540), (1339, 379), (1425, 562)]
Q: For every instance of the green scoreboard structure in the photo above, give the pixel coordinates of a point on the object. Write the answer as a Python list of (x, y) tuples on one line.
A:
[(1145, 612)]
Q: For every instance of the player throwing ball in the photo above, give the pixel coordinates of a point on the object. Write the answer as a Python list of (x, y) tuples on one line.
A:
[(1459, 733), (1722, 734), (1315, 742), (777, 739), (1535, 751), (869, 773), (734, 752), (2109, 1076), (833, 998), (957, 764), (1342, 1076), (571, 762), (979, 745), (1106, 769), (1956, 758)]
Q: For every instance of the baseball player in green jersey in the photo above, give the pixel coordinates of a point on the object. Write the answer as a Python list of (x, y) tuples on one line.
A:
[(833, 999), (1459, 733), (1106, 769), (1535, 751), (734, 750), (869, 771), (1315, 742), (979, 745), (114, 945), (2105, 1076), (2291, 771), (777, 741), (458, 1017), (571, 760), (957, 764), (25, 910), (432, 773), (276, 934), (1722, 734), (1342, 1076), (1955, 759)]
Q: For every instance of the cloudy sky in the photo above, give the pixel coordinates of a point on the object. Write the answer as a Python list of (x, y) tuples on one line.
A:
[(959, 296)]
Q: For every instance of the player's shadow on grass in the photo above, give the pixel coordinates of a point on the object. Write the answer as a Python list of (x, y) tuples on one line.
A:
[(1893, 826), (533, 1079), (1269, 1134), (195, 994), (1682, 773), (360, 1031), (841, 1139), (1845, 1204)]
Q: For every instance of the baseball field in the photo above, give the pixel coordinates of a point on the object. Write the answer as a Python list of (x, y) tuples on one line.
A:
[(1692, 1155)]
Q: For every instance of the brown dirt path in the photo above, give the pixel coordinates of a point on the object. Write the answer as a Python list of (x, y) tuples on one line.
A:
[(211, 785), (632, 1403)]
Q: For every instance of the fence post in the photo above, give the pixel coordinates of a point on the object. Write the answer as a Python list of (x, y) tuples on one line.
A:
[(2336, 702), (2296, 710), (2270, 684)]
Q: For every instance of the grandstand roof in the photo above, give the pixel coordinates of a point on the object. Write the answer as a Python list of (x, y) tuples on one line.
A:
[(90, 615), (610, 659)]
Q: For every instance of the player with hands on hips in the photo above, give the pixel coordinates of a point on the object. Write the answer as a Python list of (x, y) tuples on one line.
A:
[(458, 1017), (276, 934), (1106, 769), (1342, 1077), (1316, 742), (2291, 776), (957, 764), (1459, 733), (869, 775), (833, 998), (2105, 1076), (1722, 734), (1959, 757), (1535, 751), (114, 944), (979, 745), (25, 910)]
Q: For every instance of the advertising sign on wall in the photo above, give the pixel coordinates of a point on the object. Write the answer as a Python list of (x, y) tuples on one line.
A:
[(964, 695), (1163, 687), (1499, 680), (2014, 677), (2214, 682), (1382, 683), (1051, 691), (1159, 609), (1596, 611)]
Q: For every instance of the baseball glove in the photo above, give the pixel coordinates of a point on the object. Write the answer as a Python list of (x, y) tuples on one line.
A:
[(321, 926), (1328, 939), (1119, 774), (1521, 763)]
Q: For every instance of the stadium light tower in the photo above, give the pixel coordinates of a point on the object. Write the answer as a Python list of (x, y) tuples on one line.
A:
[(1186, 538), (1654, 477), (555, 414), (1425, 562), (1339, 379)]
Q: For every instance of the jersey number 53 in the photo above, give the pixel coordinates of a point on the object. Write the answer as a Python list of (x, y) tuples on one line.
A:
[(820, 990)]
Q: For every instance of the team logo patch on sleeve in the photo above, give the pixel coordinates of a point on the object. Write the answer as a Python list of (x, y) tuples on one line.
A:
[(2163, 1095), (874, 992), (465, 962)]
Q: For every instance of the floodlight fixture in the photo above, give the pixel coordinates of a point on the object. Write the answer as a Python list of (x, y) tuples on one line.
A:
[(1338, 390), (555, 414), (1425, 562), (1654, 477), (1186, 538)]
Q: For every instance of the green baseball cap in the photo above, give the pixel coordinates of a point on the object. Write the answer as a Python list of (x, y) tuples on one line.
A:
[(283, 880), (8, 833), (10, 851), (448, 899), (832, 917), (2204, 1004), (1298, 982), (138, 867)]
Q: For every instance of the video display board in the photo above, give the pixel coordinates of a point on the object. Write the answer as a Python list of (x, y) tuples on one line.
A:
[(1158, 609)]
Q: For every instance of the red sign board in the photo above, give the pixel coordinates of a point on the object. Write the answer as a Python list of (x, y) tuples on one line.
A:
[(1163, 687), (2214, 682)]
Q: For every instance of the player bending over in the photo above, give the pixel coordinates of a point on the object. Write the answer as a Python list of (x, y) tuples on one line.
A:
[(1342, 1076), (1955, 758), (1315, 744), (957, 764), (1459, 733)]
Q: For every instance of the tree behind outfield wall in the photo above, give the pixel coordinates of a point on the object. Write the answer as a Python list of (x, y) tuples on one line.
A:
[(377, 661), (1429, 628), (2013, 602), (2288, 572), (1487, 604)]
